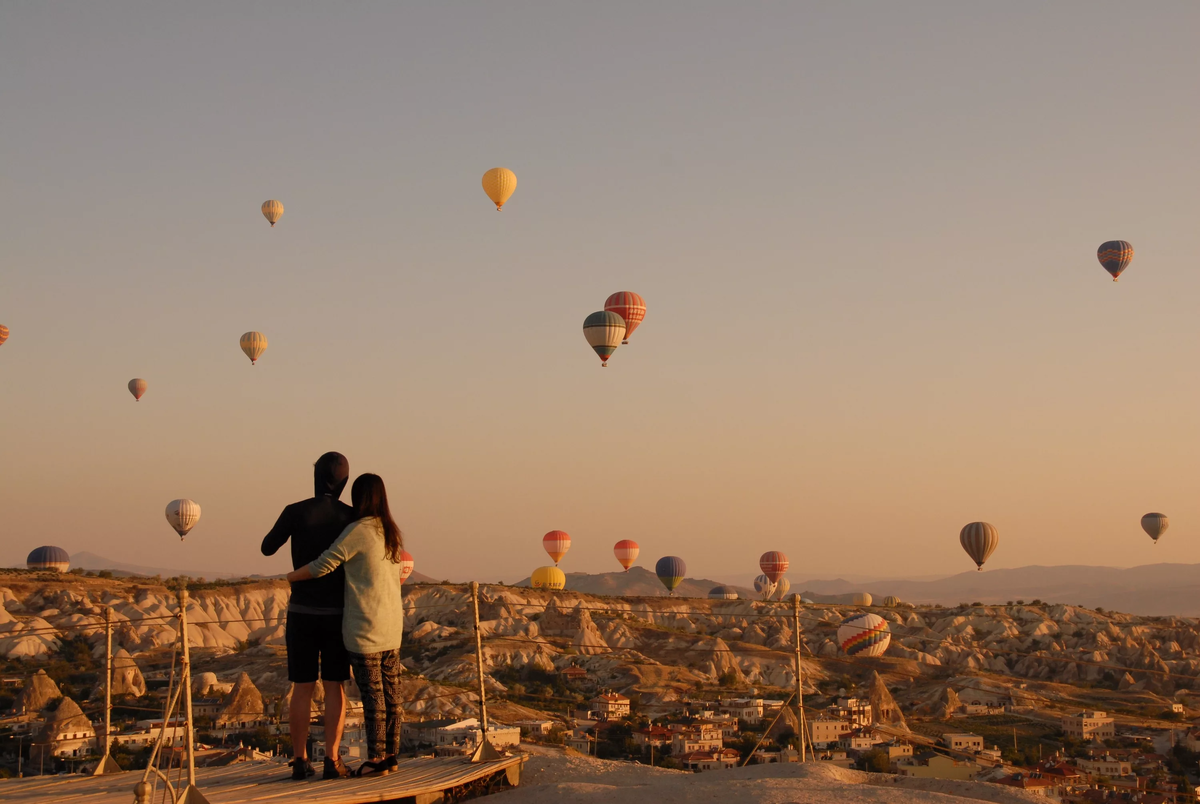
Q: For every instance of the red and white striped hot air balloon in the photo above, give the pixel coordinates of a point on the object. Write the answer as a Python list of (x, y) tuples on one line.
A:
[(629, 306), (406, 565), (773, 564), (626, 552), (557, 543)]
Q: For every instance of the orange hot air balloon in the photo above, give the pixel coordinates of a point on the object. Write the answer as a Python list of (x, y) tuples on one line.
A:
[(557, 543), (3, 334), (137, 387), (626, 552), (630, 307)]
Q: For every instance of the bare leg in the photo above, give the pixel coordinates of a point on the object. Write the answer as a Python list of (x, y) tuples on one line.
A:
[(335, 717), (299, 715)]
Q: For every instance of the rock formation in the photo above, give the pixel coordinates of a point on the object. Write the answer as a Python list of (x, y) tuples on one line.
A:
[(38, 693)]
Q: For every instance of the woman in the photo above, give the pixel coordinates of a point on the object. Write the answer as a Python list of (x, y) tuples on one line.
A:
[(373, 615)]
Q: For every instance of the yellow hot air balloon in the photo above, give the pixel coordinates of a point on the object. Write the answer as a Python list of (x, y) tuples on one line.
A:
[(499, 184), (551, 578), (253, 344), (272, 210)]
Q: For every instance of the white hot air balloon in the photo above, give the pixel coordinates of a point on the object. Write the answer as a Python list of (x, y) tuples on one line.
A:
[(764, 586), (782, 586), (183, 516)]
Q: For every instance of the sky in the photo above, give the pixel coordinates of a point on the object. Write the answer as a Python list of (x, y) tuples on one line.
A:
[(865, 234)]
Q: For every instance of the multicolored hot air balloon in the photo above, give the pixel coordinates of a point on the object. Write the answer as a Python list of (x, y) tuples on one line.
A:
[(773, 564), (862, 599), (556, 544), (137, 387), (406, 565), (671, 571), (1115, 256), (782, 587), (273, 210), (183, 516), (253, 344), (551, 578), (891, 601), (1155, 525), (48, 557), (3, 334), (499, 184), (630, 306), (979, 539), (604, 331), (864, 635), (764, 586), (722, 593), (626, 552)]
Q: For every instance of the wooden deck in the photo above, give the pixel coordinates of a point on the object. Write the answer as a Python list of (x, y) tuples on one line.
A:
[(420, 781)]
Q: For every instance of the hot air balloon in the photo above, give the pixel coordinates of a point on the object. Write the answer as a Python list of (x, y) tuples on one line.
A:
[(3, 334), (499, 184), (979, 539), (406, 565), (862, 599), (630, 306), (864, 635), (183, 516), (48, 557), (773, 564), (891, 601), (137, 387), (722, 593), (556, 543), (764, 586), (551, 578), (1155, 525), (807, 602), (1115, 256), (604, 331), (272, 210), (626, 552), (671, 571), (782, 586), (253, 344)]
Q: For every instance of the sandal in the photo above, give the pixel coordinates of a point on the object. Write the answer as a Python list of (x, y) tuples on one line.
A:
[(380, 767)]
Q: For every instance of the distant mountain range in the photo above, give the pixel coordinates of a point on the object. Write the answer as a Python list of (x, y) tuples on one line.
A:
[(1148, 589), (639, 582), (91, 561)]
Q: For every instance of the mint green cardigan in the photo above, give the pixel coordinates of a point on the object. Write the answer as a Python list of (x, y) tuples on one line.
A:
[(373, 615)]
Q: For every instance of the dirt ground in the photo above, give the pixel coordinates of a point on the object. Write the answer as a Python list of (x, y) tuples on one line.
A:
[(552, 777)]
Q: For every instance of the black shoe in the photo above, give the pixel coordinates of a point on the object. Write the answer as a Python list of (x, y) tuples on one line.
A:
[(336, 769), (302, 769)]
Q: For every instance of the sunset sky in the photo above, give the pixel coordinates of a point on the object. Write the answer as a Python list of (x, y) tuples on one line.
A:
[(865, 232)]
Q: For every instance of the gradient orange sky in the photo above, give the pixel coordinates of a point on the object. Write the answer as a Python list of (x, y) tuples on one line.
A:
[(866, 235)]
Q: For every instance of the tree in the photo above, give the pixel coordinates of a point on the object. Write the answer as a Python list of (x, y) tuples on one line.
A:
[(875, 761)]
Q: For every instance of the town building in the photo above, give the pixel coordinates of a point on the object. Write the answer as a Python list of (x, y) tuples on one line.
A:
[(656, 736), (930, 765), (67, 734), (145, 733), (717, 759), (857, 711), (962, 741), (462, 732), (538, 727), (573, 673), (1032, 782), (581, 741), (1106, 765), (689, 740), (859, 740), (1088, 725), (825, 732), (610, 706)]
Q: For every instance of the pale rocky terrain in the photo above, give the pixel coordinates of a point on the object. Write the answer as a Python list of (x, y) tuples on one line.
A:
[(659, 647), (551, 777)]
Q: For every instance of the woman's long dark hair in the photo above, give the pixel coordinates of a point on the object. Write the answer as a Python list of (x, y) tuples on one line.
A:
[(370, 499)]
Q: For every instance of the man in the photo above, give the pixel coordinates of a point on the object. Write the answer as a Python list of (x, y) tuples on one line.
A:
[(314, 621)]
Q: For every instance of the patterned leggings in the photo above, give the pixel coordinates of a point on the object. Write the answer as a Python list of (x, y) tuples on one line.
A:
[(378, 678)]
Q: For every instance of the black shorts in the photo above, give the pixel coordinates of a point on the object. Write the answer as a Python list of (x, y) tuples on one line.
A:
[(315, 648)]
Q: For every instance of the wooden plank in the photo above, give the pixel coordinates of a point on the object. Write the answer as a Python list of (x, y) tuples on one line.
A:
[(265, 782)]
